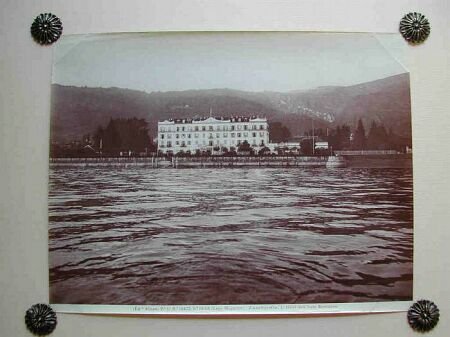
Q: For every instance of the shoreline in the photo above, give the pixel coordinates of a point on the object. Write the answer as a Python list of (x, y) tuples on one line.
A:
[(342, 161)]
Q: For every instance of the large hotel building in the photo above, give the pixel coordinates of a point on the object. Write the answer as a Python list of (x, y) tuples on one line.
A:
[(212, 133)]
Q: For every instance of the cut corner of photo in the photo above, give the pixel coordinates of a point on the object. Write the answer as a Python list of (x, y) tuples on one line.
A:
[(245, 173)]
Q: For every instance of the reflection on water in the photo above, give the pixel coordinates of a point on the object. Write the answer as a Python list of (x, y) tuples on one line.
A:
[(230, 236)]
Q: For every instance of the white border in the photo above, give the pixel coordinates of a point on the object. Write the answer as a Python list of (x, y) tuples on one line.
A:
[(227, 310)]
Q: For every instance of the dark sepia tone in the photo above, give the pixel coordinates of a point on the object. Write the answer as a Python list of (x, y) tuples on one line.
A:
[(229, 168)]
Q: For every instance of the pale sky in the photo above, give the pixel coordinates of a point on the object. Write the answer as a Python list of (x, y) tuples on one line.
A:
[(244, 61)]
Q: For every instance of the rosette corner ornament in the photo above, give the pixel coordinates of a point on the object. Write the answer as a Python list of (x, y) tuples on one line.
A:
[(40, 319), (46, 28), (415, 27), (423, 316)]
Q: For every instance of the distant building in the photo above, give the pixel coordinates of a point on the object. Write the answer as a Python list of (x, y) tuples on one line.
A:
[(290, 145), (321, 145), (212, 133), (285, 147)]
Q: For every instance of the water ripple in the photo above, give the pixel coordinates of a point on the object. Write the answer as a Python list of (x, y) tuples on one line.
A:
[(230, 236)]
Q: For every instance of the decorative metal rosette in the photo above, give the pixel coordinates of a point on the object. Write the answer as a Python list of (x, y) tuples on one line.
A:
[(423, 315), (40, 319), (46, 28), (415, 27)]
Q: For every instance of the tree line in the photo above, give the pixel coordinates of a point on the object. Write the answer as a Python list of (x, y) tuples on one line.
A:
[(124, 135), (121, 136), (344, 138), (130, 137)]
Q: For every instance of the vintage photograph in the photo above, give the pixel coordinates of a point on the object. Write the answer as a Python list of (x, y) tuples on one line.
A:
[(239, 168)]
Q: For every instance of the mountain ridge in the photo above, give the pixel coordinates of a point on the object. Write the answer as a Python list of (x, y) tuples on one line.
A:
[(76, 111)]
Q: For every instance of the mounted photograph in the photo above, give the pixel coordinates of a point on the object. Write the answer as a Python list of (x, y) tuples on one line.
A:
[(230, 173)]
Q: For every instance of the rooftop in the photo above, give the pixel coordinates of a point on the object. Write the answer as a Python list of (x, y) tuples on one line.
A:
[(214, 119)]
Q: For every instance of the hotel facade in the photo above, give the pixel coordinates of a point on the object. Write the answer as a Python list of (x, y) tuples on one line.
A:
[(211, 134)]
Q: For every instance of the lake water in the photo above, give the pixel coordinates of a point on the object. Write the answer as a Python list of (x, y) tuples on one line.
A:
[(229, 236)]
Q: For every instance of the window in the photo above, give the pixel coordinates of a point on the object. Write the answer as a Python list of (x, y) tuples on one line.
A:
[(210, 128), (245, 127), (178, 128), (182, 129), (189, 135), (217, 135), (169, 136), (225, 134), (261, 127), (232, 135), (162, 136), (183, 136), (239, 135), (232, 127), (254, 134), (203, 128), (196, 135), (246, 134), (196, 128), (261, 134), (177, 142), (178, 136), (189, 142), (169, 144), (210, 143)]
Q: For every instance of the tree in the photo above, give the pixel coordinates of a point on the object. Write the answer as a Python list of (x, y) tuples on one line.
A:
[(98, 138), (306, 146), (339, 138), (278, 132), (246, 148), (378, 138), (124, 135), (232, 151), (264, 151), (334, 140), (359, 139), (344, 138), (111, 138), (372, 137)]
